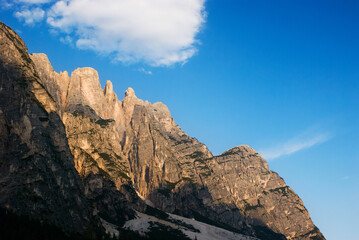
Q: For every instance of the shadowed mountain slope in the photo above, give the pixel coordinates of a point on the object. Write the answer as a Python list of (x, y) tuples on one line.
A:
[(74, 154)]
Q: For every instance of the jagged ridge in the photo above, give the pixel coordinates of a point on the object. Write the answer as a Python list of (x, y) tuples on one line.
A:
[(165, 165), (123, 150)]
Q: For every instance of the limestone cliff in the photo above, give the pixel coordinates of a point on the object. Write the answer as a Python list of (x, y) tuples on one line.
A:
[(260, 194), (38, 177), (72, 153), (136, 142)]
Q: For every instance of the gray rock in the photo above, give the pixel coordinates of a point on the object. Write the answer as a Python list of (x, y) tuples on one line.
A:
[(57, 129), (38, 177)]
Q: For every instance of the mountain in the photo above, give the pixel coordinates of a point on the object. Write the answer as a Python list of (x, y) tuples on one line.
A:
[(77, 157), (37, 168)]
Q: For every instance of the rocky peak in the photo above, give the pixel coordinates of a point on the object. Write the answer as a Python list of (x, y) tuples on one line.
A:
[(241, 149), (108, 91), (161, 113), (85, 89), (129, 102), (43, 60), (56, 83), (38, 177), (130, 92), (247, 155), (87, 76), (136, 142)]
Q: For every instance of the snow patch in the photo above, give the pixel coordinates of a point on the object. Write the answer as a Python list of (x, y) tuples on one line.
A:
[(140, 224), (110, 228), (209, 232), (192, 228)]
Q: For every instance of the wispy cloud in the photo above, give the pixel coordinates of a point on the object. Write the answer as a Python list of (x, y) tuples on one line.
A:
[(66, 40), (147, 72), (5, 4), (30, 16), (157, 32), (303, 141), (34, 1)]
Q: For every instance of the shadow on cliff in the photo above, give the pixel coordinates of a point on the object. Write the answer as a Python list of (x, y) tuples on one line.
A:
[(194, 201)]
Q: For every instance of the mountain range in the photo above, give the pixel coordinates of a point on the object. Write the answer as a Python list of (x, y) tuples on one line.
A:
[(75, 158)]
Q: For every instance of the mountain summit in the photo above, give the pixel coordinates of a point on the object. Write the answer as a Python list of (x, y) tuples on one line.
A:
[(74, 156)]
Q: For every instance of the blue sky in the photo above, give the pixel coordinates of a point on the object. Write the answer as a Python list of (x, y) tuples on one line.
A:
[(281, 76)]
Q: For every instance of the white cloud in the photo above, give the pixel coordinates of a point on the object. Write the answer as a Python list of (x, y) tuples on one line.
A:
[(35, 1), (148, 72), (294, 145), (66, 40), (30, 16), (158, 32), (5, 4)]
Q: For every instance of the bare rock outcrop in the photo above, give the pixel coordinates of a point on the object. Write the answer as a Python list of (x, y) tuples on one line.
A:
[(240, 175), (56, 83), (138, 143), (72, 152), (38, 177)]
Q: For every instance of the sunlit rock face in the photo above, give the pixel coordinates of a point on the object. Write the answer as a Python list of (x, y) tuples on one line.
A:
[(72, 152), (139, 143), (260, 194), (38, 177)]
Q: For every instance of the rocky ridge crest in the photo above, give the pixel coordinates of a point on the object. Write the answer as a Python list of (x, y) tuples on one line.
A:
[(85, 155), (177, 173), (37, 177)]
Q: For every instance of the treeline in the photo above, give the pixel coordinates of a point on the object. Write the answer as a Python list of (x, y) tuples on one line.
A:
[(14, 227)]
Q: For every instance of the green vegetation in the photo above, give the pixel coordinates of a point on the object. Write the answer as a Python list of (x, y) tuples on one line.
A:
[(165, 192), (187, 179), (124, 175), (252, 207), (13, 226), (89, 158), (183, 224), (172, 138), (229, 152), (162, 232), (171, 185), (184, 163), (104, 122), (280, 190), (126, 234), (105, 156), (196, 155), (117, 156), (28, 158), (199, 217), (203, 165), (183, 141), (263, 232), (315, 230), (300, 210), (77, 113), (104, 173), (112, 166), (156, 212), (253, 155)]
